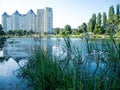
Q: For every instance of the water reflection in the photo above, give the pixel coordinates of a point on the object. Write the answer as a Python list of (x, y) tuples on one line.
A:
[(16, 51)]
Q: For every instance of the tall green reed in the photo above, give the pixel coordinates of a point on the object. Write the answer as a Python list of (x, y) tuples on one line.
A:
[(99, 69)]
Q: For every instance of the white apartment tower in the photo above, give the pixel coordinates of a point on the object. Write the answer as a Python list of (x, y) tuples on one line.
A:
[(48, 20), (40, 23), (15, 20), (4, 21), (31, 20), (9, 23)]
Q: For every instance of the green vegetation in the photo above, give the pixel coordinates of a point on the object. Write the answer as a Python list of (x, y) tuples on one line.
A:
[(98, 24), (2, 38), (2, 33), (99, 69), (19, 33)]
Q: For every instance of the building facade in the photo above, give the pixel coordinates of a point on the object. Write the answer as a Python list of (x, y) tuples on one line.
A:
[(48, 20), (5, 16), (42, 22)]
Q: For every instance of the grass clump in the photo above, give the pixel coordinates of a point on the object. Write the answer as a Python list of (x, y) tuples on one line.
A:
[(97, 69), (43, 73)]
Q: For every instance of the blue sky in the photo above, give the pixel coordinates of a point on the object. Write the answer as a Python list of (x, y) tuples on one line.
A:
[(72, 12)]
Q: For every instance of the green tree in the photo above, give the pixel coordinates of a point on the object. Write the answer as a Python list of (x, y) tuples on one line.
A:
[(68, 29), (56, 31), (1, 31), (25, 32), (104, 19), (118, 9), (90, 26), (84, 27), (98, 29), (79, 29), (62, 32), (111, 15), (104, 22), (19, 32), (10, 32), (75, 31), (91, 23), (110, 30), (98, 19), (31, 32)]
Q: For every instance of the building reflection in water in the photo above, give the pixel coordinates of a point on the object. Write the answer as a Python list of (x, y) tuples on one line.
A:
[(23, 48), (15, 52)]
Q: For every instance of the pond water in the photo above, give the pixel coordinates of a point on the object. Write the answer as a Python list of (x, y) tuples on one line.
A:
[(16, 51)]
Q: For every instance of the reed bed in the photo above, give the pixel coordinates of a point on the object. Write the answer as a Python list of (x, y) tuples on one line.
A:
[(97, 67)]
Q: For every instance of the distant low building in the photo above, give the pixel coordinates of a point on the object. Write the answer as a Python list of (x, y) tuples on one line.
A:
[(40, 23)]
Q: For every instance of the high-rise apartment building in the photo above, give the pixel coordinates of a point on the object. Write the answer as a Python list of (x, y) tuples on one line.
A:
[(31, 20), (48, 20), (5, 21), (9, 23), (44, 21), (15, 20), (41, 23)]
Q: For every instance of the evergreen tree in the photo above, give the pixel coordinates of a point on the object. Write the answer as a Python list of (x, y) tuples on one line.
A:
[(118, 9), (110, 30), (68, 29), (111, 14), (98, 28), (90, 25), (1, 31), (80, 29), (1, 27), (117, 18), (104, 19), (99, 19), (56, 31), (92, 22), (84, 27)]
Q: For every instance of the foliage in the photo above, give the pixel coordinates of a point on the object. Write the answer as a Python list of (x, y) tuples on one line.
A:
[(98, 29), (84, 27), (98, 25), (98, 21), (75, 32), (91, 23), (111, 14), (110, 30), (104, 19), (30, 32), (118, 9), (68, 29), (18, 32), (44, 73), (98, 69), (1, 31), (57, 31)]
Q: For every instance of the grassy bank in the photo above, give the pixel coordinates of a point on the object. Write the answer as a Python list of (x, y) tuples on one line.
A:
[(98, 68)]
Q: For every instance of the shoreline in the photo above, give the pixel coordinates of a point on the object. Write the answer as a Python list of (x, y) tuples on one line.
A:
[(95, 37)]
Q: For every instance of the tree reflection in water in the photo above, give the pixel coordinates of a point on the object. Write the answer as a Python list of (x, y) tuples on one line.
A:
[(2, 41)]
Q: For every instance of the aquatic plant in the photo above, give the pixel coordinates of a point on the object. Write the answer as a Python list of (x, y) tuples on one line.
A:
[(95, 68)]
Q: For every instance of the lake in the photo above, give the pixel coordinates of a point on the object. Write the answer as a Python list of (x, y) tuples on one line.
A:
[(16, 51)]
